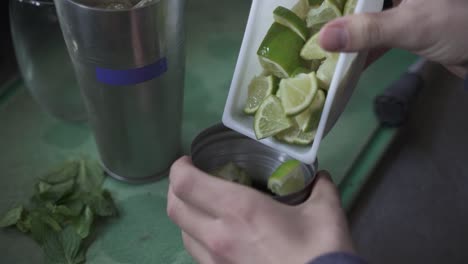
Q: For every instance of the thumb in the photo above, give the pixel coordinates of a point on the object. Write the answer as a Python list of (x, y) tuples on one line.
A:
[(370, 30), (324, 190)]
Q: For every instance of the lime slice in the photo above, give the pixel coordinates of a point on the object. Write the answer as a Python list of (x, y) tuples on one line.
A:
[(340, 4), (312, 49), (301, 8), (294, 135), (349, 7), (315, 2), (289, 19), (319, 16), (297, 93), (259, 88), (326, 71), (279, 51), (314, 65), (309, 119), (287, 179), (270, 118), (232, 173), (300, 70)]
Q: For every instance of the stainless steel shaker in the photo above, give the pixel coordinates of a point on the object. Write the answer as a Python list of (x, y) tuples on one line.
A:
[(43, 59), (130, 67)]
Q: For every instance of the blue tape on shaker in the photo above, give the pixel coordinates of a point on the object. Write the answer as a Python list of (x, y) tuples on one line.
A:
[(132, 76)]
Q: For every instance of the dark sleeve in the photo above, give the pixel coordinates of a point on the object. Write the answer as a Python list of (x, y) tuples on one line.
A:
[(466, 83), (338, 258)]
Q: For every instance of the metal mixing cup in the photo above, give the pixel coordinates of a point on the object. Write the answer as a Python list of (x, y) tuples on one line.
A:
[(130, 67), (218, 145)]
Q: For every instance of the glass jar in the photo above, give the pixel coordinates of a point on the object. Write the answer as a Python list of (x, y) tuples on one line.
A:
[(43, 59)]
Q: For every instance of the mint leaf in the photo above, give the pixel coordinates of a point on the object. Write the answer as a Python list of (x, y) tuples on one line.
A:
[(24, 225), (63, 247), (54, 192), (84, 222), (63, 209), (90, 176), (102, 204), (50, 221), (63, 173), (39, 229), (12, 217), (75, 206)]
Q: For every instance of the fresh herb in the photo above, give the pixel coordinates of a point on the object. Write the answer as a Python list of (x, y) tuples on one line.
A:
[(67, 202), (12, 217), (63, 247)]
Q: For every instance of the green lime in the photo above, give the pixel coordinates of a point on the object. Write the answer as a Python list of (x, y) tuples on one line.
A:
[(279, 51), (314, 65), (315, 2), (287, 179), (349, 7), (310, 118), (300, 70), (270, 118), (319, 16), (326, 71), (312, 49), (301, 8), (339, 3), (289, 19), (233, 173), (259, 88), (294, 135), (297, 93)]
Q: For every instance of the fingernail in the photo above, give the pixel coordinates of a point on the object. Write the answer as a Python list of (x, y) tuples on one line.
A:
[(334, 38)]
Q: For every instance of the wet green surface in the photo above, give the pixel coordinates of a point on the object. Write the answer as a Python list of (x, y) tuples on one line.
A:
[(31, 141)]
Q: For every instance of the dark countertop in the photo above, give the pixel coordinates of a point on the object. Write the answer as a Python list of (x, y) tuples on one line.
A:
[(414, 209)]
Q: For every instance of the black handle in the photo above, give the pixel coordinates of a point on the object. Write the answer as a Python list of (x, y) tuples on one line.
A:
[(388, 4), (393, 105)]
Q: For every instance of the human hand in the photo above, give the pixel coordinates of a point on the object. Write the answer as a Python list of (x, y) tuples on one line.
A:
[(227, 223), (433, 29)]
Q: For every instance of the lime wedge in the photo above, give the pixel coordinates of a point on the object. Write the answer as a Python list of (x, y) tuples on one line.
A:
[(315, 2), (314, 65), (294, 135), (326, 71), (289, 19), (259, 88), (287, 179), (279, 51), (312, 49), (232, 173), (340, 4), (301, 8), (300, 70), (349, 7), (319, 16), (309, 119), (270, 118), (297, 93)]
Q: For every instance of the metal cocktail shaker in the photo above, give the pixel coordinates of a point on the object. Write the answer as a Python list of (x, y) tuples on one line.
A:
[(130, 67)]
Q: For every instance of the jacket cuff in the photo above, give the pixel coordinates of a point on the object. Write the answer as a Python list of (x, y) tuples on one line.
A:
[(338, 258)]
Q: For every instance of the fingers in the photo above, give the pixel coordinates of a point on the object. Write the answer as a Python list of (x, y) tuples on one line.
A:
[(325, 191), (209, 194), (196, 250), (371, 30), (194, 222)]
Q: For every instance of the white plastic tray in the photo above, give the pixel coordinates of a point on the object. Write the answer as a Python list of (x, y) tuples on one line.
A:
[(345, 78)]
